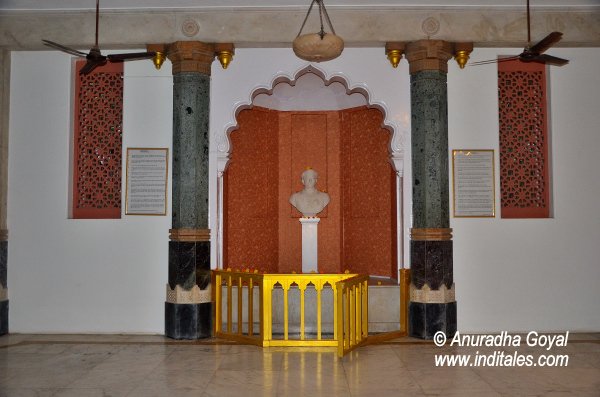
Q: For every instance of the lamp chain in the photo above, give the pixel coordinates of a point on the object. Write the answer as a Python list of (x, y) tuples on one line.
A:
[(322, 11), (326, 18)]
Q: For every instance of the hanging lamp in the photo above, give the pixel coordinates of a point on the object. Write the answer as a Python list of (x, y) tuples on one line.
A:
[(321, 46)]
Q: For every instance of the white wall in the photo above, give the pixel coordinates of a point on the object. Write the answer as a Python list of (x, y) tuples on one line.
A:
[(110, 275), (80, 275), (532, 274)]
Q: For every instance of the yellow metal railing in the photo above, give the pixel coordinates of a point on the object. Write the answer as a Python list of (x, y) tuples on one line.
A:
[(241, 281), (350, 313)]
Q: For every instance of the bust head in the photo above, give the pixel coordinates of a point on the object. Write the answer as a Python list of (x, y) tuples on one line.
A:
[(309, 201), (309, 178)]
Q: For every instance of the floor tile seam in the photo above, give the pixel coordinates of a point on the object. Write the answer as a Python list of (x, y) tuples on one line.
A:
[(277, 382), (205, 388), (215, 365), (201, 389), (347, 381), (414, 380), (502, 388), (214, 378), (485, 381), (400, 358), (152, 368), (69, 384)]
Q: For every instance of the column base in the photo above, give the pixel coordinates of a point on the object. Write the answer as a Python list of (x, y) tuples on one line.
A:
[(425, 319), (188, 320), (3, 317)]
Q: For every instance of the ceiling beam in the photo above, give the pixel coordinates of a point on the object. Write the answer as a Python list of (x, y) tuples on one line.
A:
[(24, 30)]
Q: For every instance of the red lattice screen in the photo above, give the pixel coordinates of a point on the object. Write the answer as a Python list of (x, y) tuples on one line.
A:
[(97, 142), (524, 170)]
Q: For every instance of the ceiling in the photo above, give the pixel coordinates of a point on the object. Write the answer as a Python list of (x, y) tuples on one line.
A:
[(275, 23), (197, 4)]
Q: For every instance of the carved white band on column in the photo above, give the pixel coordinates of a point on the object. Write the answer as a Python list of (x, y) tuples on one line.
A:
[(427, 295), (194, 295), (3, 294)]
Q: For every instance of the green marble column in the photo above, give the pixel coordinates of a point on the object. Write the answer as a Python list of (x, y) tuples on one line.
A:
[(188, 309), (432, 306)]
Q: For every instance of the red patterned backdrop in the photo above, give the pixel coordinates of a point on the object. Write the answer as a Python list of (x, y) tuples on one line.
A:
[(349, 150), (251, 193), (369, 186)]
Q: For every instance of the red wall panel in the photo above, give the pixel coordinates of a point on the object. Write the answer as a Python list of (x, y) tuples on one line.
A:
[(251, 192), (369, 202), (523, 113), (98, 110), (309, 139)]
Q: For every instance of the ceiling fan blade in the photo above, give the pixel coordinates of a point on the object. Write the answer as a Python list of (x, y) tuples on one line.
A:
[(498, 60), (551, 60), (132, 56), (546, 42), (90, 66), (64, 49)]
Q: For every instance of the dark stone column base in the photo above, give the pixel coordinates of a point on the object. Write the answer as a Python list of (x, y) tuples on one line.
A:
[(3, 317), (425, 319), (188, 321)]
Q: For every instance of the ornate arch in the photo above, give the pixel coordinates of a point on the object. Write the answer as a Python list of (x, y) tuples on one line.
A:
[(396, 147), (396, 144)]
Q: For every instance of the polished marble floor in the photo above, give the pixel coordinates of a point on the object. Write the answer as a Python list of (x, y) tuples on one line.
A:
[(125, 365)]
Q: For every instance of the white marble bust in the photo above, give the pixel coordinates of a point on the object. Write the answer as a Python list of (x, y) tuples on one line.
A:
[(309, 201)]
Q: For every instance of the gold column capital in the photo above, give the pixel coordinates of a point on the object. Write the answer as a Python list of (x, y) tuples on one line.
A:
[(462, 50), (394, 51), (161, 54), (224, 53), (191, 56), (429, 55)]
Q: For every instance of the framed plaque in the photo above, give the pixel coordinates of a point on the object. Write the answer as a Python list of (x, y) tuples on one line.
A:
[(146, 187), (473, 183)]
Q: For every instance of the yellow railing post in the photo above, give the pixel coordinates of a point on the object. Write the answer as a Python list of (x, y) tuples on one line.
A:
[(286, 309), (319, 288), (261, 311), (229, 304), (346, 334), (334, 287), (302, 288), (352, 315), (339, 304), (239, 305), (357, 316), (365, 313), (250, 307), (267, 308)]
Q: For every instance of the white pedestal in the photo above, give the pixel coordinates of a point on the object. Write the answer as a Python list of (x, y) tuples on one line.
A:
[(309, 244)]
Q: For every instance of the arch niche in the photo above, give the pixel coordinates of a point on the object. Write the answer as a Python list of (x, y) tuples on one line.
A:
[(349, 145)]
